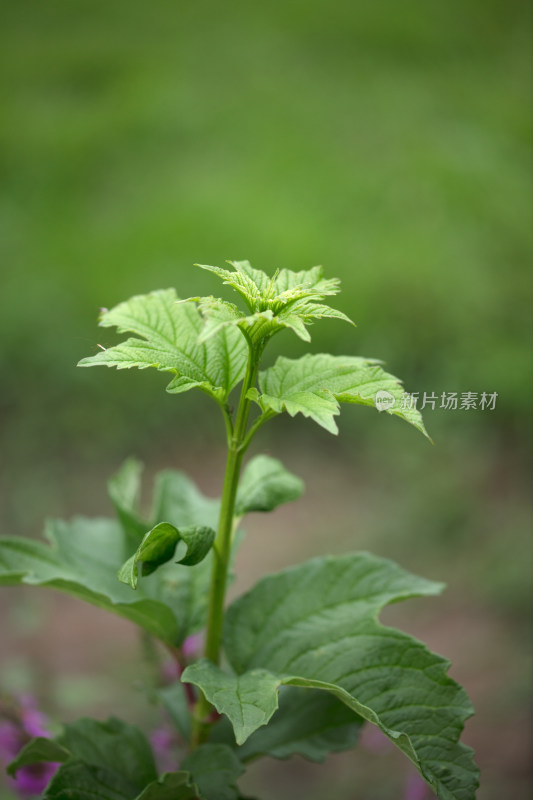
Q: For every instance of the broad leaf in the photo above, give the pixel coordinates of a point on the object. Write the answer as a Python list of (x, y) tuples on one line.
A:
[(37, 751), (159, 546), (111, 760), (214, 768), (266, 484), (249, 700), (84, 555), (315, 626), (169, 342), (287, 300), (82, 560), (174, 701), (310, 724), (124, 489), (178, 499), (171, 786), (315, 385)]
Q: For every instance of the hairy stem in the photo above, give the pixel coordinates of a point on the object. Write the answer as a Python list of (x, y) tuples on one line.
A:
[(222, 545)]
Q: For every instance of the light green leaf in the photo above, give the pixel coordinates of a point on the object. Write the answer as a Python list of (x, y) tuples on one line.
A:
[(315, 385), (287, 300), (159, 546), (214, 768), (315, 626), (124, 489), (169, 342), (249, 700), (266, 484)]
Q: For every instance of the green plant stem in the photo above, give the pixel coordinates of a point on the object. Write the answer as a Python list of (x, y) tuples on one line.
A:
[(223, 541)]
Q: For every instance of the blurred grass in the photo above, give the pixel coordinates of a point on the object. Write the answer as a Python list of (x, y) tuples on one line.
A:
[(390, 145), (389, 142)]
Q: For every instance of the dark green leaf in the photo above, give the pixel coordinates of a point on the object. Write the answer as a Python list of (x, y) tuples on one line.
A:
[(82, 781), (159, 546), (109, 760), (310, 724), (113, 744), (315, 626), (171, 786), (174, 700), (37, 751), (214, 768), (266, 484)]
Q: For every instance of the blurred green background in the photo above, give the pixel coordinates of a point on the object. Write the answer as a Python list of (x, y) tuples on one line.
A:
[(390, 142)]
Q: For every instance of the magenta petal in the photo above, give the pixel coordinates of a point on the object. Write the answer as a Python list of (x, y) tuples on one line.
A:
[(32, 780)]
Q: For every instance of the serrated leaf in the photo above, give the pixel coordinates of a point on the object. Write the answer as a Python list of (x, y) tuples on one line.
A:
[(315, 626), (214, 768), (159, 546), (315, 385), (265, 484), (310, 724), (287, 300), (169, 342), (110, 760)]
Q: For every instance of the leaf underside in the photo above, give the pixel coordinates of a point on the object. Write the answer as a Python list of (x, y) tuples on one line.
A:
[(266, 484)]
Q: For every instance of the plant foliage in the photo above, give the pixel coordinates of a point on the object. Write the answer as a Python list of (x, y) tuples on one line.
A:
[(307, 661)]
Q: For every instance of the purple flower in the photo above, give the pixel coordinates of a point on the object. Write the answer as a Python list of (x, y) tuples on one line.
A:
[(21, 724), (192, 645), (163, 742), (374, 741), (416, 788)]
